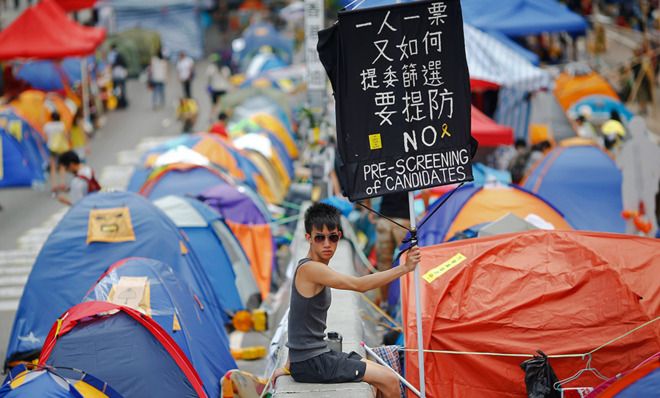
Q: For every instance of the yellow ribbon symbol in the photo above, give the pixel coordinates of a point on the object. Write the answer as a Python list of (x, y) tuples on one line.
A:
[(445, 131)]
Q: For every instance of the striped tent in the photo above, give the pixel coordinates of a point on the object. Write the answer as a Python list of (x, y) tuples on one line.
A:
[(490, 60)]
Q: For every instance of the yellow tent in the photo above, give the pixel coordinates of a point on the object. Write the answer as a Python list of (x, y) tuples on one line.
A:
[(272, 124)]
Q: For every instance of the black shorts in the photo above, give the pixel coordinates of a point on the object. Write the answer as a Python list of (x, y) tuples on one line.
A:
[(329, 367)]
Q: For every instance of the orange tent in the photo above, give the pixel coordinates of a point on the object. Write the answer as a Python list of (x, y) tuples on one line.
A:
[(563, 292), (570, 89)]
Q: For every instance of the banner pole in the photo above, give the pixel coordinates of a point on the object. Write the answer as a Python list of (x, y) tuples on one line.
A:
[(418, 303)]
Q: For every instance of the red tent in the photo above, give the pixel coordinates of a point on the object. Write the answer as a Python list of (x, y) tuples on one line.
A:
[(563, 292), (45, 32), (489, 133), (75, 5)]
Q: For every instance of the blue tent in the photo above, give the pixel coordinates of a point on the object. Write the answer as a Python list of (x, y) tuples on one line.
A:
[(47, 382), (264, 34), (126, 348), (20, 162), (584, 183), (172, 305), (24, 157), (218, 250), (98, 231), (522, 17), (141, 173), (181, 180), (601, 106)]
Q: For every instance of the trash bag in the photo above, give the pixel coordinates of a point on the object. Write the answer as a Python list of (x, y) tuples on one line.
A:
[(539, 377)]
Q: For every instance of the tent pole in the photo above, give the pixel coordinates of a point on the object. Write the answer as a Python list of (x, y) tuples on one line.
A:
[(418, 304), (85, 90)]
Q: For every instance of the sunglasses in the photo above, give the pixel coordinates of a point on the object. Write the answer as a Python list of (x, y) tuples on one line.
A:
[(320, 238)]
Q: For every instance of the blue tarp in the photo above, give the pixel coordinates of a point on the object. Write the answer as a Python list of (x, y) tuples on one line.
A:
[(206, 345), (177, 22), (217, 249), (601, 106), (67, 266), (584, 183), (522, 17), (44, 75)]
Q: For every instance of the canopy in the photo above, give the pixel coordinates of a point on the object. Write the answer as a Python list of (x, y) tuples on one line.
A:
[(522, 17), (489, 133), (488, 59), (584, 183), (50, 34), (51, 76), (571, 89), (563, 292), (75, 5)]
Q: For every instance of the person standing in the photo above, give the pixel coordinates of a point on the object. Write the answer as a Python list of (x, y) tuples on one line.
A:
[(119, 72), (185, 67), (389, 236), (58, 142), (157, 79), (217, 76)]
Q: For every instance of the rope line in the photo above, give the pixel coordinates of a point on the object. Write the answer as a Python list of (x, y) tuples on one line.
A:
[(501, 354)]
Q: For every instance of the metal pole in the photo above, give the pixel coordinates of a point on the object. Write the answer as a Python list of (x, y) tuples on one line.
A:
[(85, 92), (380, 361), (418, 304)]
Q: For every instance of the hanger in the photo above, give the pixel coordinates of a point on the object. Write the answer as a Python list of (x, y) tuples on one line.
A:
[(587, 368)]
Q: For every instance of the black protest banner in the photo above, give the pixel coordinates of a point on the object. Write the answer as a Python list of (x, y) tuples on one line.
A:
[(402, 93)]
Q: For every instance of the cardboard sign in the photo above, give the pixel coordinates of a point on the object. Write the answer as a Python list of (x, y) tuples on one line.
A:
[(133, 292), (402, 93), (110, 225)]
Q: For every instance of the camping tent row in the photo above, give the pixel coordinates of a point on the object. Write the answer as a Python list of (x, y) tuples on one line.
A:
[(149, 285), (25, 153)]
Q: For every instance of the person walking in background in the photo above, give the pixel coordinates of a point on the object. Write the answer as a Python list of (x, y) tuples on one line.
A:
[(58, 142), (184, 68), (217, 76), (119, 72), (157, 79), (187, 112)]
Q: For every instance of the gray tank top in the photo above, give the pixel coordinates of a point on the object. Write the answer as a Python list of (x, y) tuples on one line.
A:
[(307, 317)]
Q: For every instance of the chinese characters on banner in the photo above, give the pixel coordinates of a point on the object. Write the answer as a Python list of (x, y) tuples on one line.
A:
[(403, 97), (313, 23)]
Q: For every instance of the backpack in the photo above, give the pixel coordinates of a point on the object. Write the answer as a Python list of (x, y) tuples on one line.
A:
[(92, 184)]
